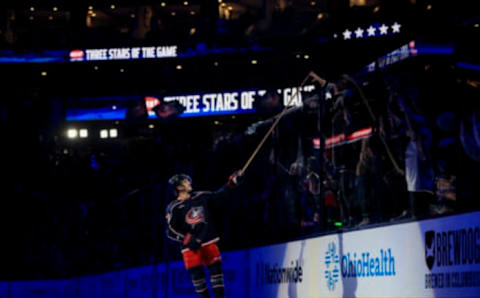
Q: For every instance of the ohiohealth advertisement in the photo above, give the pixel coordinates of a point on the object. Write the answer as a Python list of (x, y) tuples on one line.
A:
[(431, 258)]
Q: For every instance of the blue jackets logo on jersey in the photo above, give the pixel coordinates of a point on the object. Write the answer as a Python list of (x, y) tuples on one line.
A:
[(195, 216)]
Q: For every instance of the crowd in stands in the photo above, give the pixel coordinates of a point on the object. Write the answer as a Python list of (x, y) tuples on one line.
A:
[(70, 210)]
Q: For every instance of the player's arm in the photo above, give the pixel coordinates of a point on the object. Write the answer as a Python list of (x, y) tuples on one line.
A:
[(233, 182), (173, 231)]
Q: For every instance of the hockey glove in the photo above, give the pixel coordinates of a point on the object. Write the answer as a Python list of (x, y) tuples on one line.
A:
[(193, 245)]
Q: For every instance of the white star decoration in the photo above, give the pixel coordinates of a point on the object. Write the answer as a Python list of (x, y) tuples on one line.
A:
[(383, 29), (370, 31), (396, 27), (347, 34), (359, 32)]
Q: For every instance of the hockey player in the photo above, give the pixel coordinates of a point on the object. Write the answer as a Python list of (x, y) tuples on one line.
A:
[(189, 223)]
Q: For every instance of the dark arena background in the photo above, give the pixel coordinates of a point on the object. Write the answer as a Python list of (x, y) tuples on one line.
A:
[(355, 124)]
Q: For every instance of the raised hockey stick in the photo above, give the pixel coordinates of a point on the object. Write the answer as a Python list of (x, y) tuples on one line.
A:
[(279, 117)]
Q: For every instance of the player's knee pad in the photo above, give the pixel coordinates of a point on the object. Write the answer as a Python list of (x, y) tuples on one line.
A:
[(215, 268), (198, 279)]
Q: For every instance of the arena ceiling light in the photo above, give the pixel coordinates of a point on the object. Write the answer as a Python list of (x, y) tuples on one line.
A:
[(103, 134), (113, 133), (83, 133), (72, 133)]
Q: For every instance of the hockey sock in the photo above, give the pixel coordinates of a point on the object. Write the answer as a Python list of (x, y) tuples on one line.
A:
[(198, 279), (216, 278)]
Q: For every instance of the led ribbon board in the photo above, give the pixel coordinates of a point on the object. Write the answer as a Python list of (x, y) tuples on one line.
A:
[(342, 139), (132, 53), (123, 53), (400, 54), (224, 103), (196, 104)]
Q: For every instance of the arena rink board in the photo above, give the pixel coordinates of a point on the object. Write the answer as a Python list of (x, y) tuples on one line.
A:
[(430, 258)]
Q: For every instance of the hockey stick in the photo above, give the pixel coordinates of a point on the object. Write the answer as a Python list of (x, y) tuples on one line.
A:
[(374, 119), (287, 107)]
